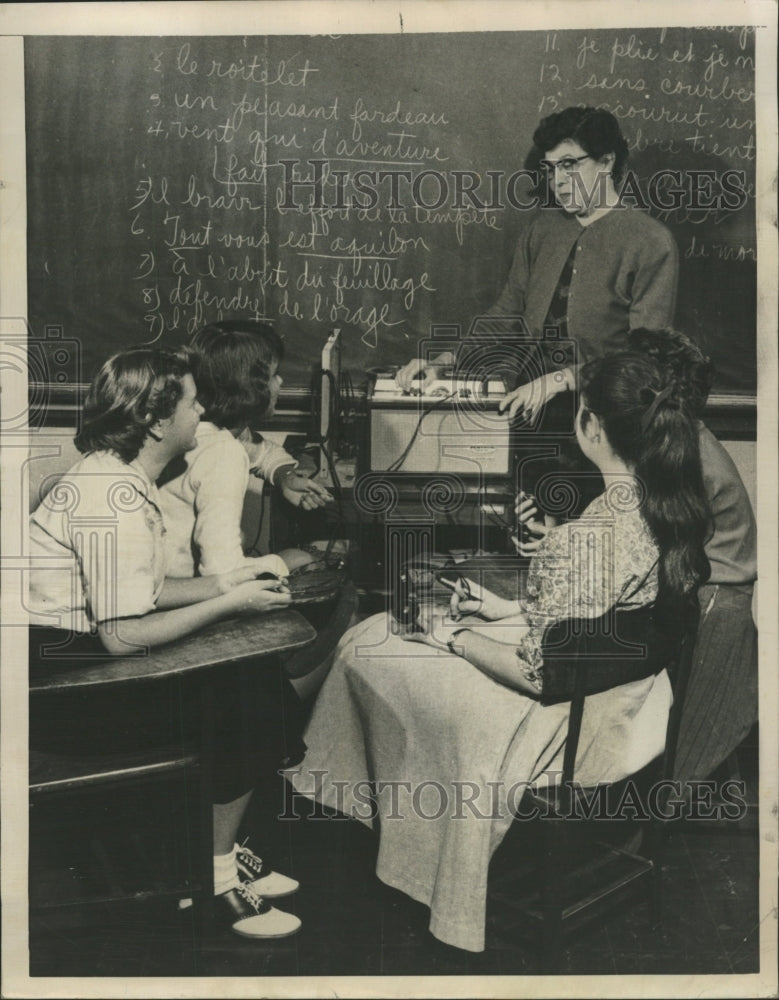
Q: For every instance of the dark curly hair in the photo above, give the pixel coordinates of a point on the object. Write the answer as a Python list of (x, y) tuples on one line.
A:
[(231, 361), (131, 392), (597, 132), (680, 358), (651, 428)]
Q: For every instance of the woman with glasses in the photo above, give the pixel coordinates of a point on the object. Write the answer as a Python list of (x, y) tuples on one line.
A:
[(587, 269), (585, 264)]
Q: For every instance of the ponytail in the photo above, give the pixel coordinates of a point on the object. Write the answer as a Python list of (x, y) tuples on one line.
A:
[(675, 507), (650, 427)]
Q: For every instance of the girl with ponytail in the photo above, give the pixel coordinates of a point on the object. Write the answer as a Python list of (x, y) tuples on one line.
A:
[(649, 427), (470, 712), (641, 539)]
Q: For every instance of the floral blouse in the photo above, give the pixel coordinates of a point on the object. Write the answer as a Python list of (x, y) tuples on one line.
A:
[(607, 558)]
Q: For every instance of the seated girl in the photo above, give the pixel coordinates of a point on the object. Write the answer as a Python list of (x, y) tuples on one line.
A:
[(235, 364), (236, 369), (98, 586), (438, 745)]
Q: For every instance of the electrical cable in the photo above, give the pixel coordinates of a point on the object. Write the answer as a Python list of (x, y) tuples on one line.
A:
[(324, 441), (348, 401), (395, 466), (497, 520)]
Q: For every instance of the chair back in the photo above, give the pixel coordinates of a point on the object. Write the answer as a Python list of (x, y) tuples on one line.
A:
[(587, 656)]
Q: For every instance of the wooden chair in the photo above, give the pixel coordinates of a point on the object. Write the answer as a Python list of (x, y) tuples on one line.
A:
[(208, 654), (581, 875)]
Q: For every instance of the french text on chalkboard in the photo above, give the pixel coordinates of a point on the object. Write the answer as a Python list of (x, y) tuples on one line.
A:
[(159, 173)]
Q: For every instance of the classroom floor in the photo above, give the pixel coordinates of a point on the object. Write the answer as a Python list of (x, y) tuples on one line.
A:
[(353, 925)]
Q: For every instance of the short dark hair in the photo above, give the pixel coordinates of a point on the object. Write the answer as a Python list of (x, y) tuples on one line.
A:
[(681, 358), (263, 330), (131, 392), (597, 131), (231, 362)]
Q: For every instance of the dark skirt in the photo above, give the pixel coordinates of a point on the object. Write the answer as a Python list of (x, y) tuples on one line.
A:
[(258, 717), (721, 703)]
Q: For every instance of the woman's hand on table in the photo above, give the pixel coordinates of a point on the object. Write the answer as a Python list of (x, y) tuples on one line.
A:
[(275, 565), (528, 541), (469, 598), (259, 595)]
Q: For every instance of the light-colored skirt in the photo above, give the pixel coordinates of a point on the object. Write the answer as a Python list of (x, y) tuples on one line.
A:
[(422, 746)]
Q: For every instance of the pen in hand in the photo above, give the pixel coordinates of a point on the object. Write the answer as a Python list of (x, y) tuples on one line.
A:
[(461, 591)]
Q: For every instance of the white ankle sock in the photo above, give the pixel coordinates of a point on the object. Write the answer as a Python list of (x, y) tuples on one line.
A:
[(225, 873)]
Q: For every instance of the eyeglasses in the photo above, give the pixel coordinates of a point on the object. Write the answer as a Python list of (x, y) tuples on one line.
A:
[(567, 164)]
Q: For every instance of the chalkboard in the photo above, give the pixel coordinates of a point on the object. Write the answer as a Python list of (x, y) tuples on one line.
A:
[(157, 176)]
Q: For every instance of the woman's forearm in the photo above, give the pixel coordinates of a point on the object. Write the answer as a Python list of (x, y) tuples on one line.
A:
[(564, 380), (126, 635), (497, 660), (178, 592)]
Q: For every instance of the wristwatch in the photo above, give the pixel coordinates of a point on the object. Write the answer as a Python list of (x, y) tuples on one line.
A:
[(452, 637)]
